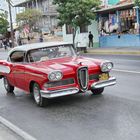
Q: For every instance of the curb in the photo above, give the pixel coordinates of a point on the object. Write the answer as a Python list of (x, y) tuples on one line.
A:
[(16, 130), (104, 52), (115, 53)]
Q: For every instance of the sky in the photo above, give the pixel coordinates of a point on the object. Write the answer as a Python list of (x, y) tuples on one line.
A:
[(3, 5)]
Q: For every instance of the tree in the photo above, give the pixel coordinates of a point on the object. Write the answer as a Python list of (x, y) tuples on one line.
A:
[(29, 16), (137, 3), (76, 13), (3, 21)]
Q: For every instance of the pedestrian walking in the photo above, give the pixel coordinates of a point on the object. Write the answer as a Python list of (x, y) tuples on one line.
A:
[(41, 38), (5, 43), (19, 41), (1, 45), (28, 38), (90, 37)]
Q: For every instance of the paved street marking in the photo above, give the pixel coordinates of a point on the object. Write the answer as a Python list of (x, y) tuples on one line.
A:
[(15, 129), (127, 71)]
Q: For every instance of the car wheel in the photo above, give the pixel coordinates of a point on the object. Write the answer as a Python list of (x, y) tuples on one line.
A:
[(97, 91), (40, 101), (8, 86)]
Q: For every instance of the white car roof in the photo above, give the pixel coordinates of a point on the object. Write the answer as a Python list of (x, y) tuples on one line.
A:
[(28, 47)]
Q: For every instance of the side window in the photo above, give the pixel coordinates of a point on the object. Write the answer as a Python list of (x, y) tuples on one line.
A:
[(17, 57)]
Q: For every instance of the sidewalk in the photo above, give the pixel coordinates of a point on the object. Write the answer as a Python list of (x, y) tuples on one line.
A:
[(9, 131), (117, 50), (7, 134)]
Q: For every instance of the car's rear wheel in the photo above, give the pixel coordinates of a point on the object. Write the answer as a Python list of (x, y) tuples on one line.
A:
[(97, 91), (40, 101), (9, 88)]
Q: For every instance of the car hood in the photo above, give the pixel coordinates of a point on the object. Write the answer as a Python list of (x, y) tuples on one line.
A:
[(66, 64)]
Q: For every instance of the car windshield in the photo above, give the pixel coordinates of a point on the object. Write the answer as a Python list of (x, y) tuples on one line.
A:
[(47, 53)]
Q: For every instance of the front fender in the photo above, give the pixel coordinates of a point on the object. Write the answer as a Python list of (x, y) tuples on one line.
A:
[(4, 68)]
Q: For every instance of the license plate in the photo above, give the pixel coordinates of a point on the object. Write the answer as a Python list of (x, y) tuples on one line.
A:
[(103, 76)]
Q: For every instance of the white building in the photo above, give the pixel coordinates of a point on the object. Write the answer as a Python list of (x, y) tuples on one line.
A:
[(81, 39)]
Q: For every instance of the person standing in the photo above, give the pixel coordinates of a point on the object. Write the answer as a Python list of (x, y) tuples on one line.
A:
[(90, 37)]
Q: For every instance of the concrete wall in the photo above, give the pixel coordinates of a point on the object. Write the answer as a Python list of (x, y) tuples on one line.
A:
[(128, 40), (83, 37)]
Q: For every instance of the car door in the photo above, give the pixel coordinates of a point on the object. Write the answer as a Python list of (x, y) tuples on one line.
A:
[(18, 69)]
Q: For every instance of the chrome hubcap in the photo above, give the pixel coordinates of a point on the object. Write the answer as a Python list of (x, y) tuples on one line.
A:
[(36, 95)]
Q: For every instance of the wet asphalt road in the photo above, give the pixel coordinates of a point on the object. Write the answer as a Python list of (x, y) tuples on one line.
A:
[(115, 115)]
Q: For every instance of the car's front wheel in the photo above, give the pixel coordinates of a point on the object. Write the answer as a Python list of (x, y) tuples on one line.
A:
[(9, 88), (97, 91), (40, 101)]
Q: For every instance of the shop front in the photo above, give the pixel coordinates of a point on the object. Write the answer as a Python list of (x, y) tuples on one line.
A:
[(119, 26)]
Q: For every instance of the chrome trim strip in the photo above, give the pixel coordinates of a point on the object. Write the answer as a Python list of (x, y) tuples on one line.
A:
[(101, 84), (59, 93)]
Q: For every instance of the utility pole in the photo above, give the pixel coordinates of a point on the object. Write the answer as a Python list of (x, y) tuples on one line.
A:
[(11, 23)]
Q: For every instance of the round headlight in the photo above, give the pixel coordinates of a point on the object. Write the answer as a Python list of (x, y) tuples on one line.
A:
[(106, 66), (55, 76)]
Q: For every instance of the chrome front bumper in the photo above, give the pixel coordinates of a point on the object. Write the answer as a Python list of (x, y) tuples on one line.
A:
[(59, 93), (70, 91), (101, 84)]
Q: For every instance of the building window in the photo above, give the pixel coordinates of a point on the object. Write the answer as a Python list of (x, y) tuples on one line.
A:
[(83, 29), (69, 29), (121, 22)]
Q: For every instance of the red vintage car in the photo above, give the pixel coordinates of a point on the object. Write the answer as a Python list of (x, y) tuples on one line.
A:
[(53, 69)]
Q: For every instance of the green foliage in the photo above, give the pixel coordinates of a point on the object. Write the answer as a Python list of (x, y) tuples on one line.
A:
[(137, 3), (70, 9), (76, 13), (3, 14), (3, 21), (29, 16)]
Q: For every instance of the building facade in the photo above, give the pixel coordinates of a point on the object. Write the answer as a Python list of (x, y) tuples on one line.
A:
[(118, 25), (81, 39), (107, 3), (49, 14)]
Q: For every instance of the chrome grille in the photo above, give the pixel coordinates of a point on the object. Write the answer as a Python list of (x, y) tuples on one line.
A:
[(60, 83), (83, 78)]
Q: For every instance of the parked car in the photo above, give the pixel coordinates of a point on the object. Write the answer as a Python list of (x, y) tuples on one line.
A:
[(53, 69)]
